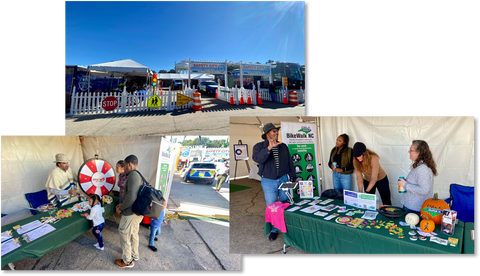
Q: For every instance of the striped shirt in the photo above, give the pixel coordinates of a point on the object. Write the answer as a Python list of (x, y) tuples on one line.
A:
[(275, 156)]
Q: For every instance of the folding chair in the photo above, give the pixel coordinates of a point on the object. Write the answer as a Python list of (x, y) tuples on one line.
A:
[(36, 199), (462, 201)]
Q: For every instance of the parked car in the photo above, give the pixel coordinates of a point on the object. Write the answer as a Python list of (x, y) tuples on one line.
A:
[(177, 84), (200, 172), (208, 86)]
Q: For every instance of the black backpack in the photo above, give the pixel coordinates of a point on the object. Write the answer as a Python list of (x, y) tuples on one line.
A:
[(149, 202)]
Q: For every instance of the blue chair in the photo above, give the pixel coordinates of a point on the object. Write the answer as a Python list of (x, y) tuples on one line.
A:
[(37, 199), (462, 201)]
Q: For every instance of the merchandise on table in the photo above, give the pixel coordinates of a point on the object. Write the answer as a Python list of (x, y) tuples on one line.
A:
[(448, 222), (81, 207)]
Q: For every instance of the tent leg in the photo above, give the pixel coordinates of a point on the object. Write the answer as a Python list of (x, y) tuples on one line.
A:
[(11, 266), (284, 249)]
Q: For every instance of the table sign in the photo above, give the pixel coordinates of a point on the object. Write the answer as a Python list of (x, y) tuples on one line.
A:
[(360, 200), (306, 189)]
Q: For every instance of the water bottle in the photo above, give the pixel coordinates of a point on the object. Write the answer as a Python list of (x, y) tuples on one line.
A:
[(401, 189)]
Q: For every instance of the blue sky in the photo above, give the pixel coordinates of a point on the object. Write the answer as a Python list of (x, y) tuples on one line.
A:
[(156, 34)]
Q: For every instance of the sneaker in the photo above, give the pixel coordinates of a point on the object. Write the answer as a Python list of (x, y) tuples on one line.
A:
[(156, 239), (96, 244), (98, 247), (154, 249), (135, 259), (120, 263)]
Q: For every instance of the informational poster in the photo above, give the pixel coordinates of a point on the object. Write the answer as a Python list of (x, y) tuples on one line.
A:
[(360, 200), (241, 152), (301, 139), (306, 189), (166, 161)]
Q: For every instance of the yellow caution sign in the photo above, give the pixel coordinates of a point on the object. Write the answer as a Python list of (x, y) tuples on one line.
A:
[(182, 99), (154, 101)]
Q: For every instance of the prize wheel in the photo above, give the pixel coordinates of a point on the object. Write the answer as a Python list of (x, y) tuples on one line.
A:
[(96, 176)]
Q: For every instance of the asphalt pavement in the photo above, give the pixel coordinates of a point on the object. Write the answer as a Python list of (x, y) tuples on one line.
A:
[(197, 243), (212, 120)]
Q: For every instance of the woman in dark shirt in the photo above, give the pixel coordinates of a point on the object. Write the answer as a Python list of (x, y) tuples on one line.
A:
[(341, 163)]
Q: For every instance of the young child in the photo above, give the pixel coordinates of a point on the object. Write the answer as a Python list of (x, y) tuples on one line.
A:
[(122, 178), (96, 202), (155, 226)]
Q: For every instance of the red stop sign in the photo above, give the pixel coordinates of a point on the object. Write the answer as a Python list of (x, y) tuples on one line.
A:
[(109, 103)]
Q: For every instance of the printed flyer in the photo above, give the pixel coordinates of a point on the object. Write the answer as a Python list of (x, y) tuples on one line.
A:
[(302, 142)]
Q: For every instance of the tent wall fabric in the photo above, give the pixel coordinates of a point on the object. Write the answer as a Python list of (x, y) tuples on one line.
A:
[(115, 148), (26, 163), (451, 141)]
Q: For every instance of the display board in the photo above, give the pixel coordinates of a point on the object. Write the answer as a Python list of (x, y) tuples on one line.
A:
[(301, 139)]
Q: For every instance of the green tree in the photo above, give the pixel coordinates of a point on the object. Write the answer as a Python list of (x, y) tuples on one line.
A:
[(172, 71), (162, 71)]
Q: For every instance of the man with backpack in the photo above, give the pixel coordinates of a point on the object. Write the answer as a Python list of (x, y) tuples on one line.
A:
[(129, 224)]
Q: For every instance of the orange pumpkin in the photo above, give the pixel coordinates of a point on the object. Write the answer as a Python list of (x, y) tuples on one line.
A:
[(432, 209), (427, 225)]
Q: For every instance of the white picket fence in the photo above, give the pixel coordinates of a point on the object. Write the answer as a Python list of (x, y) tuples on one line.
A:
[(224, 95), (91, 103)]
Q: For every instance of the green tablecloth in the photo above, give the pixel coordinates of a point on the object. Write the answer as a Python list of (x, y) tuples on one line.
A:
[(468, 243), (313, 234), (66, 230)]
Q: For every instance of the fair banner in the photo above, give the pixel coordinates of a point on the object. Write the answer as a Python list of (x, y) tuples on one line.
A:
[(166, 161), (302, 142), (208, 67), (256, 70)]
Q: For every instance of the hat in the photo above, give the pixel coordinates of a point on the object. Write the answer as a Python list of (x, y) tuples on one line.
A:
[(60, 158), (267, 128), (358, 149)]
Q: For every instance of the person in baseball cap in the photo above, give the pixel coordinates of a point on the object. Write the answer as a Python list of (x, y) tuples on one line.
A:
[(275, 166), (366, 163), (61, 182)]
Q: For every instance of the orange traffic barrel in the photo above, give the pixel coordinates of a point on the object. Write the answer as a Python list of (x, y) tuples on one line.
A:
[(197, 101), (292, 97)]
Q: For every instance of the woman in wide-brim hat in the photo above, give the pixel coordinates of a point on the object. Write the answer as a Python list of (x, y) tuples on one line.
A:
[(370, 175), (275, 166)]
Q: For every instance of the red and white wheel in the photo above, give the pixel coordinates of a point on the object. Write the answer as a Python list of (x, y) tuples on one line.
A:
[(96, 176)]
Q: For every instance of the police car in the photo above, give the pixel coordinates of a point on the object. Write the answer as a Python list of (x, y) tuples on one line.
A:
[(200, 172), (208, 86)]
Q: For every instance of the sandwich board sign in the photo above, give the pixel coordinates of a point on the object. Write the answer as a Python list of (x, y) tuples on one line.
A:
[(182, 99)]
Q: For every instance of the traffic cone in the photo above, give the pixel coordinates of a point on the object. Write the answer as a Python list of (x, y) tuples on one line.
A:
[(216, 93), (232, 102), (249, 100), (241, 98), (285, 100), (259, 98)]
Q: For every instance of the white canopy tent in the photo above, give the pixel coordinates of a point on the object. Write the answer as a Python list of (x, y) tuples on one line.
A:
[(127, 67), (451, 140), (27, 161)]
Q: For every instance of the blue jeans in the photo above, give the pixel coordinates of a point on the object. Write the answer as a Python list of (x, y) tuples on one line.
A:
[(272, 193), (98, 235), (154, 231), (272, 96), (342, 181)]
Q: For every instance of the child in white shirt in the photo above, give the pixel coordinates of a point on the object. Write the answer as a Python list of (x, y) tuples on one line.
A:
[(96, 202)]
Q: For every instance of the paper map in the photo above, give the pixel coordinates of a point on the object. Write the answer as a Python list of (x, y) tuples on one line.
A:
[(9, 246), (37, 233), (29, 226)]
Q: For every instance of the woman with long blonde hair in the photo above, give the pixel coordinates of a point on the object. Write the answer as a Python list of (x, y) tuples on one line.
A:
[(370, 175)]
